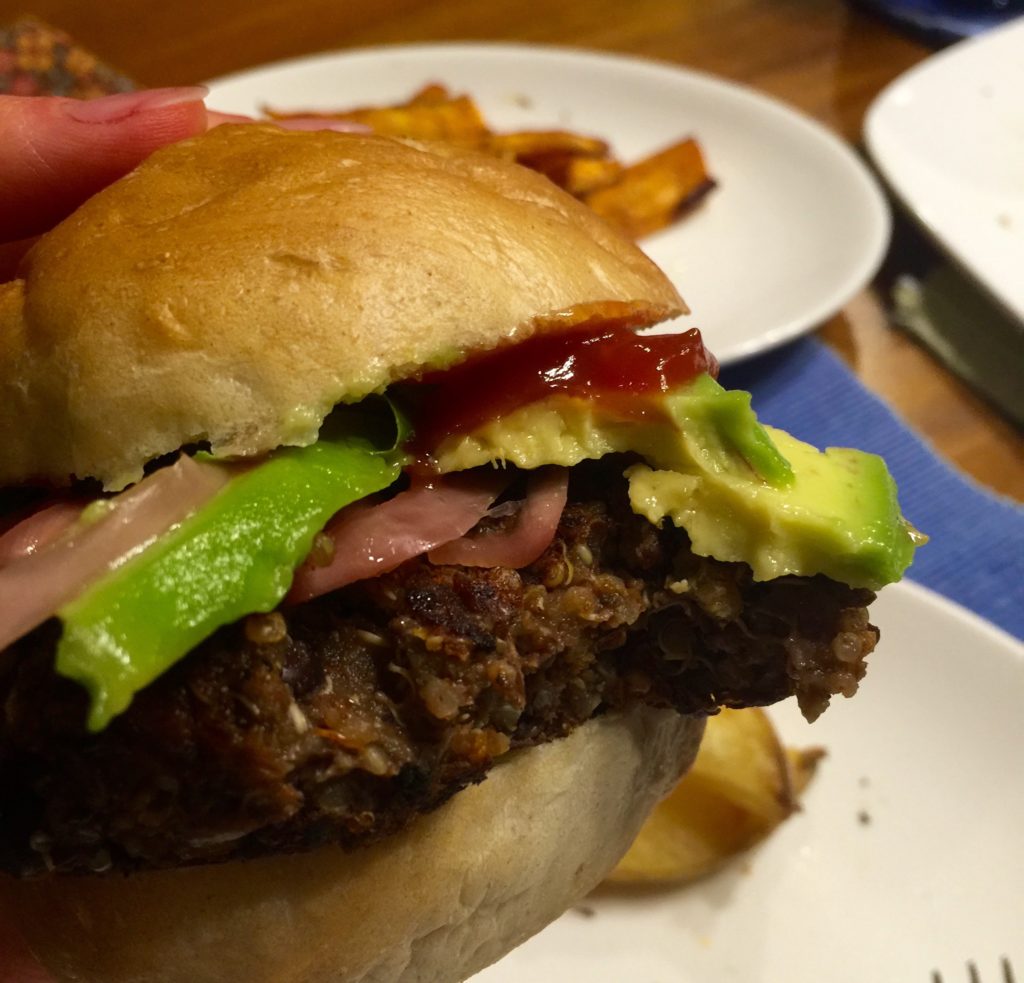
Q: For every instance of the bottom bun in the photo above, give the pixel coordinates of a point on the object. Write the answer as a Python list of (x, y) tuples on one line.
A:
[(432, 904)]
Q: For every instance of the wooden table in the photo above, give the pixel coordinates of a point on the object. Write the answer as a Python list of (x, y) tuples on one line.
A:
[(818, 55)]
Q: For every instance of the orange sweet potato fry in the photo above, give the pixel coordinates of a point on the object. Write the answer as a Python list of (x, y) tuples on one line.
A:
[(577, 175), (585, 175), (432, 94), (531, 143), (652, 193), (426, 117), (637, 200)]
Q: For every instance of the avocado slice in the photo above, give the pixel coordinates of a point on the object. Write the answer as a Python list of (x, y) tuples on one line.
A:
[(742, 491), (233, 556)]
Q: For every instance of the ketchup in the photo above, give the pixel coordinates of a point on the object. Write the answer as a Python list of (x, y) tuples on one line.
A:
[(608, 363)]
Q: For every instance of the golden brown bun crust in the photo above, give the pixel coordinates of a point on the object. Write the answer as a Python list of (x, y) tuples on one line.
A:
[(433, 904), (237, 286)]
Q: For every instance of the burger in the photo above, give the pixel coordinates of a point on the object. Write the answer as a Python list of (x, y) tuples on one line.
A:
[(366, 572)]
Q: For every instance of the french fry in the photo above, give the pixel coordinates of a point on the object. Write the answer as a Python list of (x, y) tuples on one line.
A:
[(456, 120), (741, 787), (651, 194), (587, 174), (530, 143), (432, 94), (637, 200), (577, 175), (803, 762)]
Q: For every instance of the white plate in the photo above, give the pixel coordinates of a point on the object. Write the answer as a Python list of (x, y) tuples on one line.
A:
[(909, 856), (795, 228), (949, 137)]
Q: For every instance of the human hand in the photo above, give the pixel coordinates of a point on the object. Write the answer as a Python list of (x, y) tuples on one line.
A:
[(58, 152)]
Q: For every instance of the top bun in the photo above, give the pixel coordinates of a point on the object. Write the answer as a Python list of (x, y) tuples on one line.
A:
[(237, 286)]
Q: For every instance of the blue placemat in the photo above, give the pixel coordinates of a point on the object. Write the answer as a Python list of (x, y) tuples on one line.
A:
[(976, 553)]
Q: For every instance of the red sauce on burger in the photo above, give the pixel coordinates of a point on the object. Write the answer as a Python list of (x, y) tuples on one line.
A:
[(609, 362)]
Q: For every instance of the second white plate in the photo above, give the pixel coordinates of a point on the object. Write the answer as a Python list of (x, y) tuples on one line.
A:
[(949, 137), (796, 227)]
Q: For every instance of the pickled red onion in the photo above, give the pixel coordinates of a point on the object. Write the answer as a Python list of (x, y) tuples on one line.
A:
[(372, 538), (34, 586), (37, 531), (526, 539)]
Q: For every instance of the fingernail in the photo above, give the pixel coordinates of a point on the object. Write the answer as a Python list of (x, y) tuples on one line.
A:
[(113, 109)]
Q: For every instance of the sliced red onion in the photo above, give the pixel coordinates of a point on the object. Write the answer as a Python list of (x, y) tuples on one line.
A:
[(35, 585), (525, 540), (37, 531), (370, 539)]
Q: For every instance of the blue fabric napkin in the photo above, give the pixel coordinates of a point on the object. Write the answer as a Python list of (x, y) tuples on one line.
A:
[(976, 552)]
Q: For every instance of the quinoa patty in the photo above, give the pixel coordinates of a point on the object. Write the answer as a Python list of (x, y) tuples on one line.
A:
[(341, 719)]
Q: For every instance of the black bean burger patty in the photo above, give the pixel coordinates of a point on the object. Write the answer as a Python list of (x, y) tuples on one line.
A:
[(341, 719)]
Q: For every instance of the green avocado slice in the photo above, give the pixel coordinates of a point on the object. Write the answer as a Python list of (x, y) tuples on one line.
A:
[(743, 491), (839, 517), (234, 556)]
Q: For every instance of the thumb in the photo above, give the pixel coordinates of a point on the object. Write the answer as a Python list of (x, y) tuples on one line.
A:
[(58, 152)]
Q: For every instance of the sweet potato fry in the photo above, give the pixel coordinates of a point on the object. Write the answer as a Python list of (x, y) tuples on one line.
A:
[(455, 120), (577, 175), (652, 193), (432, 94), (585, 175), (741, 787), (637, 200), (531, 143)]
